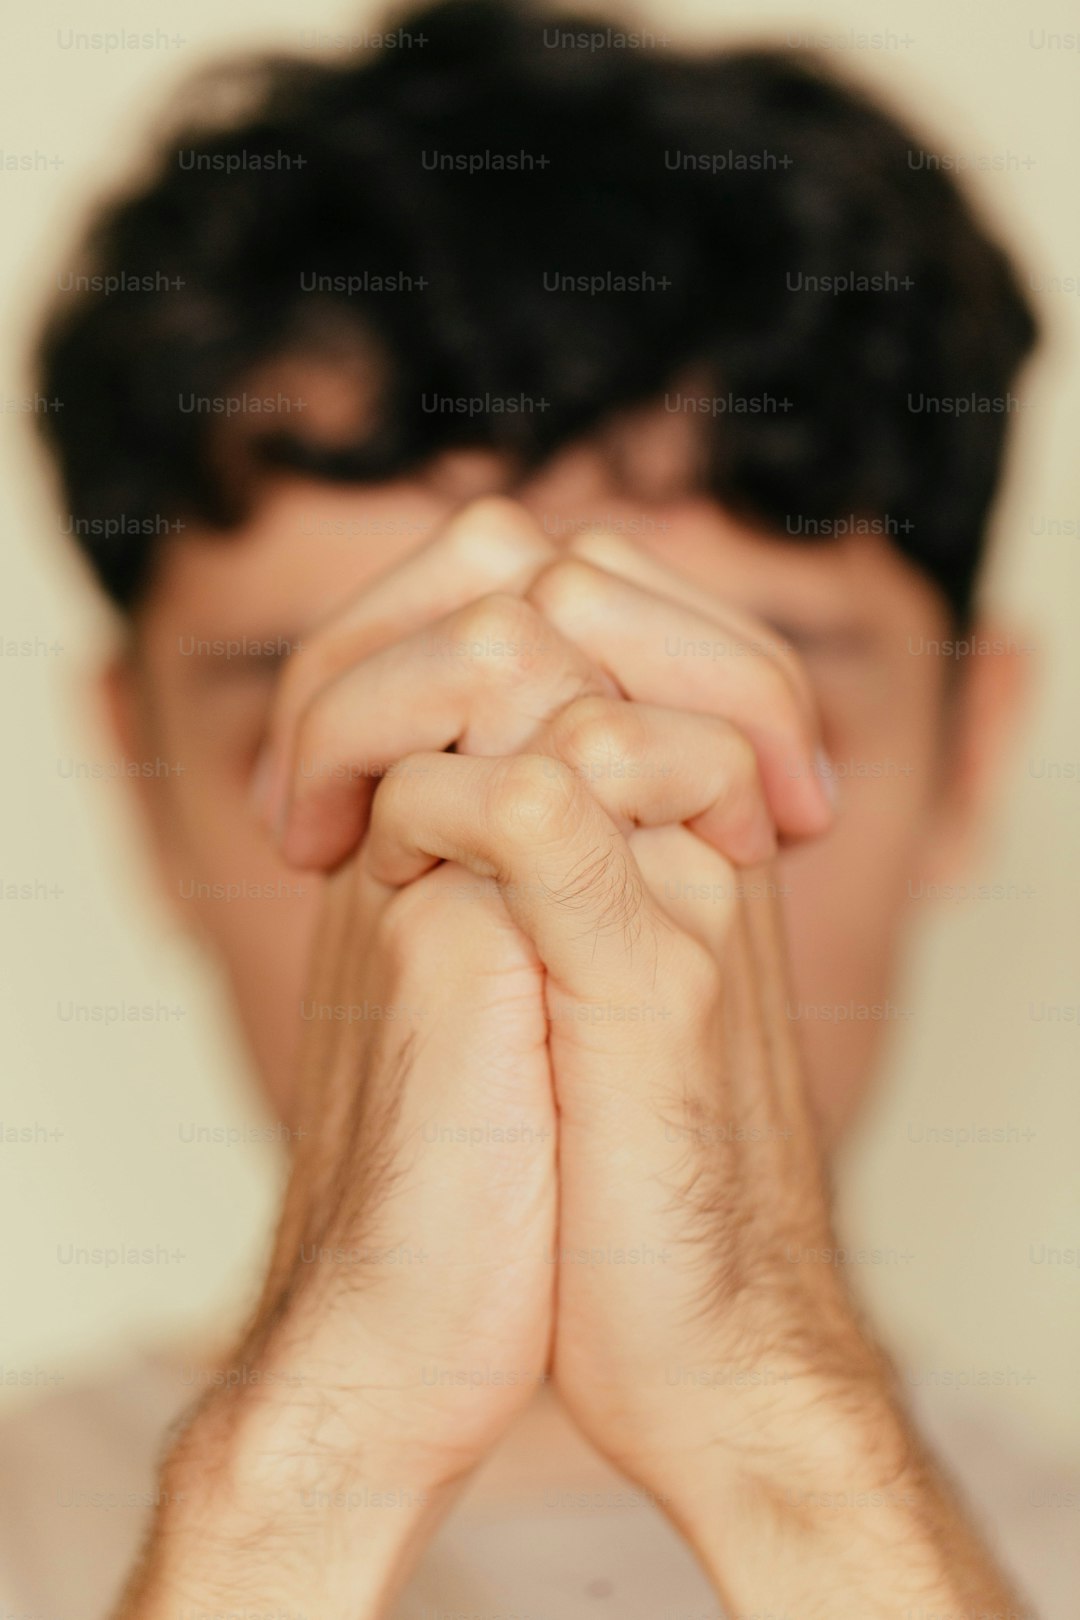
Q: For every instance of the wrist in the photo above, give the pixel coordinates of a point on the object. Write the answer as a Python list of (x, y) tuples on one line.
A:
[(755, 1405), (249, 1510), (865, 1524), (773, 1429), (847, 1484)]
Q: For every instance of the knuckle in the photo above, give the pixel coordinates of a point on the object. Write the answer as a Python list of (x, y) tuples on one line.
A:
[(595, 731), (494, 536), (500, 630), (565, 584), (531, 799)]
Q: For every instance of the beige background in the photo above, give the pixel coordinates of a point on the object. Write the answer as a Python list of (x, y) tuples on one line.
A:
[(960, 1289)]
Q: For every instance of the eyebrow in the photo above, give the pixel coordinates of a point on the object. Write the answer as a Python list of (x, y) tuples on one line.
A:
[(233, 657)]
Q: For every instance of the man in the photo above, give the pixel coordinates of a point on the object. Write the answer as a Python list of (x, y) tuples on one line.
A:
[(540, 522)]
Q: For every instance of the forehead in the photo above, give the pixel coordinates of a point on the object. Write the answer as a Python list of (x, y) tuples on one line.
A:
[(305, 546), (308, 546)]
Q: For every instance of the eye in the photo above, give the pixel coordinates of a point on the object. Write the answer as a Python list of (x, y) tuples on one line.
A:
[(841, 640)]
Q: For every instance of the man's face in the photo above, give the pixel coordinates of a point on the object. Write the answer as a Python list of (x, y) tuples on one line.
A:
[(854, 609)]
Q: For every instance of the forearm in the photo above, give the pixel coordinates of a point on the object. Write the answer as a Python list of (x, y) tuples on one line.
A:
[(867, 1525), (256, 1522), (310, 1488)]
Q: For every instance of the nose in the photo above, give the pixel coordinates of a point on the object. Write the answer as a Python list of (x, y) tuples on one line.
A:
[(467, 475), (573, 480)]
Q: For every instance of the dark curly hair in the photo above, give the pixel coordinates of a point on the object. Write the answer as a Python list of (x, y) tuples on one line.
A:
[(472, 161)]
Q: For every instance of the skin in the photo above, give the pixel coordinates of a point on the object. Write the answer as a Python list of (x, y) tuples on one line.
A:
[(599, 923)]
